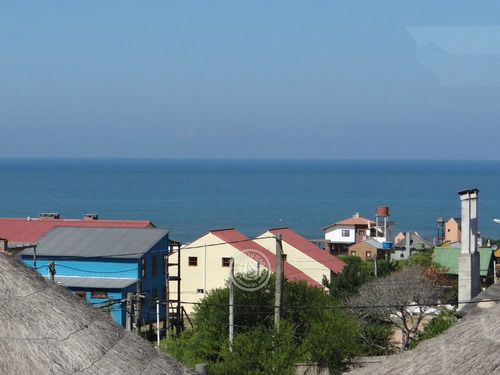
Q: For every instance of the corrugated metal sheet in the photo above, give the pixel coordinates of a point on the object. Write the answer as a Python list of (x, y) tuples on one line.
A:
[(22, 230), (241, 242), (94, 282), (307, 247), (98, 242), (448, 257)]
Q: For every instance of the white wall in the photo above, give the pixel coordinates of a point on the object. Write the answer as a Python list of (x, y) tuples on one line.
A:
[(334, 234)]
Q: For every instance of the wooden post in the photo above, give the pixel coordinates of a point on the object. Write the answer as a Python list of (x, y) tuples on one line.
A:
[(167, 293), (138, 308), (52, 270), (128, 316), (158, 323)]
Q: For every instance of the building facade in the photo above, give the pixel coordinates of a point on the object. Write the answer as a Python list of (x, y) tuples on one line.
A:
[(205, 263), (302, 254), (103, 265), (341, 235)]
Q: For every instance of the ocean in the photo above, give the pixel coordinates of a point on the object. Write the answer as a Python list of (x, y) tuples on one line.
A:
[(191, 197)]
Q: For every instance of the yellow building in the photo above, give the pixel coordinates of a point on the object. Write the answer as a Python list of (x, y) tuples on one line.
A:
[(205, 264), (302, 254)]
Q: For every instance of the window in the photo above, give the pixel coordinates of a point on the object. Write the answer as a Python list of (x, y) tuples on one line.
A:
[(81, 294), (199, 291), (193, 261), (226, 262), (154, 266), (353, 252), (283, 256), (143, 268), (345, 233), (99, 293), (165, 263), (368, 254), (361, 232)]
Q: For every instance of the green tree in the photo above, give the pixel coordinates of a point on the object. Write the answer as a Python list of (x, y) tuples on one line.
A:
[(260, 350), (313, 328), (331, 340), (356, 273)]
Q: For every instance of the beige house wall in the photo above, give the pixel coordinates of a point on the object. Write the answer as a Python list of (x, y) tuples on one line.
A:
[(311, 267), (208, 274)]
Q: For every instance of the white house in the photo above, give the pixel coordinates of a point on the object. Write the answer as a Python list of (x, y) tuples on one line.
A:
[(342, 234)]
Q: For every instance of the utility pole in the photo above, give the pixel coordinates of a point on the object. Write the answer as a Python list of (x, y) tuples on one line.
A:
[(138, 308), (231, 304), (167, 293), (158, 323), (52, 270), (128, 322), (279, 281)]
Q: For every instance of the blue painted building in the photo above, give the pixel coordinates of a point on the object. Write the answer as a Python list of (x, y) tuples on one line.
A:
[(102, 265)]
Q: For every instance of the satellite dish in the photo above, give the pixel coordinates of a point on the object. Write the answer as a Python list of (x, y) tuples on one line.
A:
[(494, 247)]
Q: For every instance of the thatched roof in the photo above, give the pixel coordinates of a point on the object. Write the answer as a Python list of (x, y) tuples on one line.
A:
[(468, 347), (47, 330)]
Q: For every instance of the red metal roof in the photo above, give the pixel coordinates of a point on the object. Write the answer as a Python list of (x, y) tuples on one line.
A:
[(241, 242), (31, 229), (351, 221), (307, 247)]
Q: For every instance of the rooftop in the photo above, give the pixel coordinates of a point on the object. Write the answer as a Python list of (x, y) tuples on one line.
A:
[(47, 330), (354, 220), (241, 242), (307, 247), (98, 242), (22, 230)]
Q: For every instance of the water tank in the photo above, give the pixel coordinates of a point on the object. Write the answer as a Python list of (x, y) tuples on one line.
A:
[(383, 211), (387, 244)]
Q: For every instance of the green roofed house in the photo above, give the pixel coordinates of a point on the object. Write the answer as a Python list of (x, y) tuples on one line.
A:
[(448, 257)]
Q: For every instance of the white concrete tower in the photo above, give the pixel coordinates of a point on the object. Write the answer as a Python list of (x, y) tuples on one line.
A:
[(468, 262)]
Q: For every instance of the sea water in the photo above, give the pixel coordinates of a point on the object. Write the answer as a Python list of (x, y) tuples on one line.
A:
[(191, 197)]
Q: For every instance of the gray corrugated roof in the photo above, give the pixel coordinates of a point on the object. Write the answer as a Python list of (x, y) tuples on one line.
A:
[(415, 239), (98, 242), (374, 243), (94, 282)]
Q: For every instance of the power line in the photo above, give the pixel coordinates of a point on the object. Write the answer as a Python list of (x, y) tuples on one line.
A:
[(164, 251), (106, 272)]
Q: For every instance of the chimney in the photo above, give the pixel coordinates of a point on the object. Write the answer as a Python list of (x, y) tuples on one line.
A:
[(408, 245), (468, 261)]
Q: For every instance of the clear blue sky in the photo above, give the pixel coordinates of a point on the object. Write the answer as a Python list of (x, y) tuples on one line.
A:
[(250, 79)]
